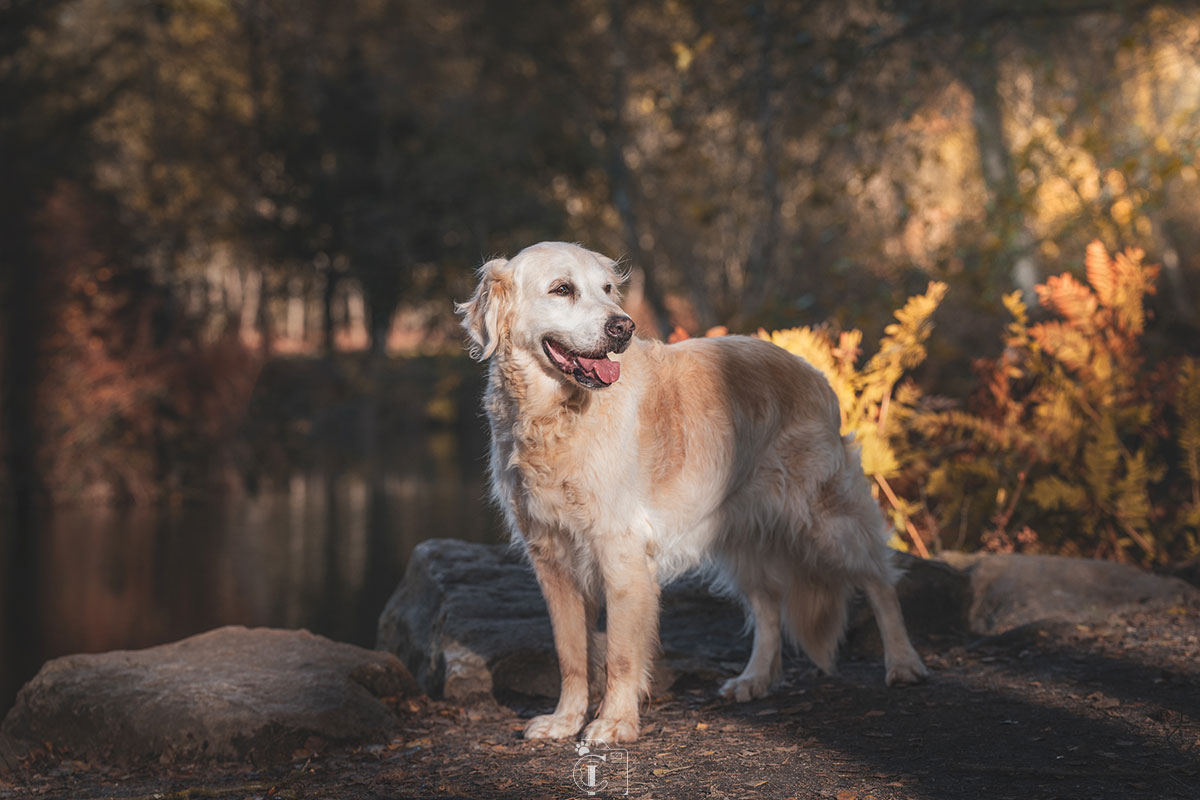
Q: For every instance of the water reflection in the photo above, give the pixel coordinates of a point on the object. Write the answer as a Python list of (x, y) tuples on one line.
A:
[(323, 551)]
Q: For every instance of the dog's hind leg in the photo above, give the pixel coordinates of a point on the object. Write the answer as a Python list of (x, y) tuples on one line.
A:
[(568, 617), (901, 661), (766, 657)]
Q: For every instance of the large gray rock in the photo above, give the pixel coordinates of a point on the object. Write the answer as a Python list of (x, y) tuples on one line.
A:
[(1007, 591), (469, 619), (229, 693), (470, 622)]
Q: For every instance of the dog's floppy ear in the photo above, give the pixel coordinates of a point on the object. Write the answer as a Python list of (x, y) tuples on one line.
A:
[(485, 315)]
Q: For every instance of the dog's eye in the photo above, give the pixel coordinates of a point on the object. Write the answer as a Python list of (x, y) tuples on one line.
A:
[(608, 288), (563, 290)]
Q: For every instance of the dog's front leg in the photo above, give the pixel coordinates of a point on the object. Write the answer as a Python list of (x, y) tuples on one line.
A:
[(568, 617), (631, 598)]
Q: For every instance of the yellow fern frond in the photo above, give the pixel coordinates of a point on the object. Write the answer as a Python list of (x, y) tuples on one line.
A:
[(1070, 299), (903, 344), (1100, 272), (1052, 492), (811, 344), (955, 424), (1057, 419), (1065, 342), (1132, 493), (1016, 307), (848, 350), (1101, 458), (1133, 282), (877, 455)]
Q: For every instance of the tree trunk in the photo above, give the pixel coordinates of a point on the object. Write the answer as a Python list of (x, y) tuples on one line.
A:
[(619, 177), (1006, 214), (764, 248), (328, 295)]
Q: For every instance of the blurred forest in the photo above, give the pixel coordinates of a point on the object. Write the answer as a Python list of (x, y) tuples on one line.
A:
[(231, 232), (194, 190)]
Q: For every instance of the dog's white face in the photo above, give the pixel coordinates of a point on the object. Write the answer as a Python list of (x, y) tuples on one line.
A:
[(557, 302)]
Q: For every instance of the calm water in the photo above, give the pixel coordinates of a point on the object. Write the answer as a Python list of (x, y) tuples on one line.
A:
[(323, 550)]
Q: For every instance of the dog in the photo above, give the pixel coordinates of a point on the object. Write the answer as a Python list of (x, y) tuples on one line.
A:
[(621, 463)]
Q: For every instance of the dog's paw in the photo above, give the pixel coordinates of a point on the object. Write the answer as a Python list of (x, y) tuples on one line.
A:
[(907, 671), (745, 687), (611, 730), (554, 726)]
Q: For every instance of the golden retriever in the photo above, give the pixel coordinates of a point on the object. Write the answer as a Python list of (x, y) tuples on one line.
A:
[(621, 463)]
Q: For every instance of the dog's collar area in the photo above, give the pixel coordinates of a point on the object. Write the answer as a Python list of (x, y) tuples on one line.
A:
[(589, 371)]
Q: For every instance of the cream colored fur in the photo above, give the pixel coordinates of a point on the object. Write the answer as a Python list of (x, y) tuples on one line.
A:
[(723, 453)]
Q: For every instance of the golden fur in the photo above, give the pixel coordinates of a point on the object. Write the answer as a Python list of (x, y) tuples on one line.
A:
[(722, 453)]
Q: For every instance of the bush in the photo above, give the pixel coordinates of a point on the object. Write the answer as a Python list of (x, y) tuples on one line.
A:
[(1073, 441)]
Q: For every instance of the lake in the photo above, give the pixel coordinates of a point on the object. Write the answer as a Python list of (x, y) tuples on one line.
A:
[(320, 547)]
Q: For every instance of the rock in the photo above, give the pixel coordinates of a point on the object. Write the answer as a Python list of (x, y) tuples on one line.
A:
[(230, 693), (1008, 591), (469, 619), (1188, 570), (470, 622)]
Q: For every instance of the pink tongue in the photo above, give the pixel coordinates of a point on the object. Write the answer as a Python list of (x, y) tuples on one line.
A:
[(603, 369)]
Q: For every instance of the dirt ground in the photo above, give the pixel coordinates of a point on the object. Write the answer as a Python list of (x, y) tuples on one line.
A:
[(1048, 711)]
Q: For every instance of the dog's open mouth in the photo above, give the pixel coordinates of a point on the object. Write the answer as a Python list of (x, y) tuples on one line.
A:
[(594, 371)]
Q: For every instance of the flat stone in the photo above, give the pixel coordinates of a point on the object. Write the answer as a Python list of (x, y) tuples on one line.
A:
[(1010, 590), (230, 693)]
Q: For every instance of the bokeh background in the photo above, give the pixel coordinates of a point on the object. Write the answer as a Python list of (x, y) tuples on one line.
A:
[(232, 389)]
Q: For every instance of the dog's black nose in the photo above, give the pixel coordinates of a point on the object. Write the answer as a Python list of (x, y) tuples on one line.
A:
[(619, 328)]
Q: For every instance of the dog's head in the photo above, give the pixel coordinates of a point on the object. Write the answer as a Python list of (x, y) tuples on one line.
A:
[(557, 302)]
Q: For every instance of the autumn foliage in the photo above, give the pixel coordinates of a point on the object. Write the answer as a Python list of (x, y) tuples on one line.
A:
[(132, 406), (1073, 441)]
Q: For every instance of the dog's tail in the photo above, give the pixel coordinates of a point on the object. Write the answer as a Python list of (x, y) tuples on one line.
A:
[(814, 617)]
